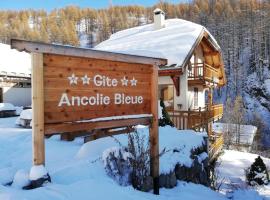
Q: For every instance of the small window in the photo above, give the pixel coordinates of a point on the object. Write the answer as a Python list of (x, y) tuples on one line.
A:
[(195, 97)]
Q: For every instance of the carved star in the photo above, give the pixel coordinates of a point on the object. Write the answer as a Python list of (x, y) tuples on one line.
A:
[(124, 81), (133, 82), (85, 79), (73, 80)]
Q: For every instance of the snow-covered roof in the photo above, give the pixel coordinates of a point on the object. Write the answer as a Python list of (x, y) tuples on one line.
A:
[(173, 42), (14, 62)]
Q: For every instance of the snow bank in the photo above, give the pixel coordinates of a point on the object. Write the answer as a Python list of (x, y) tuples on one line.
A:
[(19, 109), (177, 145), (25, 115), (21, 179), (37, 171), (172, 42), (6, 106), (6, 175), (79, 177)]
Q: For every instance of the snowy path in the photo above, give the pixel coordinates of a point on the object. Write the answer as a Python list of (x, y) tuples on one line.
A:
[(231, 168)]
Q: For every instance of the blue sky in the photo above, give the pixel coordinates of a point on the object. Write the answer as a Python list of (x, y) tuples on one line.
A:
[(50, 4)]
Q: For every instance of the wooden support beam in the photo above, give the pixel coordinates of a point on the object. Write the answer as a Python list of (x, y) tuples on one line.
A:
[(170, 72), (211, 53), (51, 129), (38, 109), (97, 134), (176, 82), (153, 131)]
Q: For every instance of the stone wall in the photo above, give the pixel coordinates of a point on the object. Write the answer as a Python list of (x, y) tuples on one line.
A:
[(197, 173)]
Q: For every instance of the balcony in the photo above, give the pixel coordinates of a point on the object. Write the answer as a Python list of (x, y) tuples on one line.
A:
[(196, 119), (201, 73), (199, 120)]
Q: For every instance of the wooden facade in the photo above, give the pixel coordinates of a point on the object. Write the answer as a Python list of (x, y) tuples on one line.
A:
[(201, 72)]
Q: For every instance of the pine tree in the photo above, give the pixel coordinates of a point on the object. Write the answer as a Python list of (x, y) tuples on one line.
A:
[(165, 120), (257, 173)]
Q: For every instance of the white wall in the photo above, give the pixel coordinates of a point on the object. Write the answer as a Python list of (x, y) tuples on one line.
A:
[(17, 96)]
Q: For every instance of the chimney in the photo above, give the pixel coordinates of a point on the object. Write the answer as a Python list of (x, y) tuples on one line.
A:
[(159, 19)]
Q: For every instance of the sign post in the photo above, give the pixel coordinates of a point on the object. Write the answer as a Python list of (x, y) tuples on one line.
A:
[(76, 89), (154, 142), (38, 109)]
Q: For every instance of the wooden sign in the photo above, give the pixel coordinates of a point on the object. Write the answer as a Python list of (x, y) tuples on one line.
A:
[(76, 89)]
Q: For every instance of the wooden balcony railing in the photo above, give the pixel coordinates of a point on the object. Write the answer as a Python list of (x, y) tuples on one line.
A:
[(204, 72), (196, 119), (215, 146)]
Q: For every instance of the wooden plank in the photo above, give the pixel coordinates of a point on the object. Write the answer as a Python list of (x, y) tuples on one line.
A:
[(58, 117), (88, 126), (38, 47), (97, 134), (154, 136), (38, 109), (170, 72), (60, 63)]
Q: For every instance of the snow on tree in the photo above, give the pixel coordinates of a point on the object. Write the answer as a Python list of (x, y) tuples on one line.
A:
[(257, 173)]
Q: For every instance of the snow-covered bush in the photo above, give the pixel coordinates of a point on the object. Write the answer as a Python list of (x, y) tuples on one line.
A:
[(164, 120), (139, 149), (130, 165), (257, 173), (117, 165)]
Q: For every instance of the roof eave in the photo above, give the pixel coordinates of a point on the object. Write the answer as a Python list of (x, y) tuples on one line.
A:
[(39, 47)]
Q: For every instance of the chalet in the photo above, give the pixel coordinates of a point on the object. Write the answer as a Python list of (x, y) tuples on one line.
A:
[(15, 78), (194, 68)]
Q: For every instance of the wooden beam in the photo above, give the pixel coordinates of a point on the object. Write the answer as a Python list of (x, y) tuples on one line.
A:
[(38, 109), (196, 82), (97, 134), (170, 72), (153, 131), (51, 129), (176, 82), (38, 47), (211, 53)]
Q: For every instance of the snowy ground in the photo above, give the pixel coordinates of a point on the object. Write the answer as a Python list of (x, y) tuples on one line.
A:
[(78, 173), (231, 170), (75, 174)]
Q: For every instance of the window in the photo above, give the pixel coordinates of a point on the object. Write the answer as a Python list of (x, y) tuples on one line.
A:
[(166, 93), (195, 97)]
